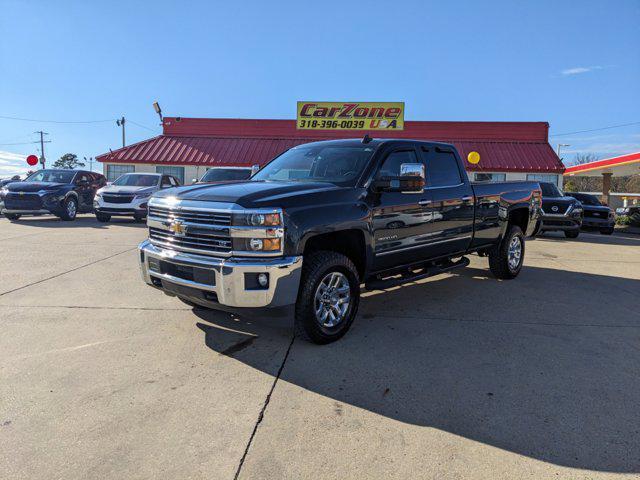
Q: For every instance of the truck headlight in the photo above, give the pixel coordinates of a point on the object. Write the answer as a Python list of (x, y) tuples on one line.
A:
[(257, 219)]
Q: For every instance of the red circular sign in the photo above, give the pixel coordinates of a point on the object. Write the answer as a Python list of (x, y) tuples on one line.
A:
[(32, 160)]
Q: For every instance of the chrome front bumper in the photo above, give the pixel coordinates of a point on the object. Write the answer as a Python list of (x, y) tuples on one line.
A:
[(229, 289)]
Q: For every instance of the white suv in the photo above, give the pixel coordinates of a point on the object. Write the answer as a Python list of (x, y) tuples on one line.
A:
[(129, 194)]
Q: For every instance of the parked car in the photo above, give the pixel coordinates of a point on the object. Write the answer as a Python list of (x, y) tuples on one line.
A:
[(128, 195), (596, 215), (63, 193), (560, 212), (3, 182), (318, 221), (226, 174)]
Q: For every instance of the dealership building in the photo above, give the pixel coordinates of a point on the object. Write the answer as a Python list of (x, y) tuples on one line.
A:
[(190, 146)]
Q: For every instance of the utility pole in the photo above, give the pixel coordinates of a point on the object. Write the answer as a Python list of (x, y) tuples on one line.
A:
[(90, 163), (560, 145), (121, 123), (42, 142)]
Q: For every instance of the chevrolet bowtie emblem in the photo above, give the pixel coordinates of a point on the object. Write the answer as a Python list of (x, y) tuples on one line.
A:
[(178, 228), (21, 193)]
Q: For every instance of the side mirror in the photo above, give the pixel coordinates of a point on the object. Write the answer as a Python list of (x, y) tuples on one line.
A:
[(254, 169), (411, 180)]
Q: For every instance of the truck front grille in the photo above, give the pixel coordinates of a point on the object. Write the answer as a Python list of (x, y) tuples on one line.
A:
[(560, 208), (190, 242), (596, 214), (190, 215)]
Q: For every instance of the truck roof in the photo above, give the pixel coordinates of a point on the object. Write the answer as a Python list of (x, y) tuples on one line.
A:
[(375, 142)]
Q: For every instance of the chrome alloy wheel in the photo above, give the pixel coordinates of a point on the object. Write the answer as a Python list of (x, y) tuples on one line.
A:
[(71, 209), (515, 253), (332, 299)]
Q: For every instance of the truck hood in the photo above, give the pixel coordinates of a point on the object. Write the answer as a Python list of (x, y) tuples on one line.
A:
[(250, 194), (596, 208), (33, 186), (568, 200)]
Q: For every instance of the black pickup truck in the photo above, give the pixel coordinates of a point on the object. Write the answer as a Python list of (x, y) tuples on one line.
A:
[(324, 218)]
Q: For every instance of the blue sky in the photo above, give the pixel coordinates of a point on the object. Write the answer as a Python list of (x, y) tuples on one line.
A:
[(575, 65)]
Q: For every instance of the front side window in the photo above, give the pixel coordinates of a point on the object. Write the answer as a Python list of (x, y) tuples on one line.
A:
[(337, 164), (226, 174), (136, 180), (51, 176), (177, 172), (391, 166), (442, 169), (114, 171)]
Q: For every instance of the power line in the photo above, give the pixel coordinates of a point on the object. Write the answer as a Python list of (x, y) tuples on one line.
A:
[(142, 126), (595, 129), (54, 121), (19, 143)]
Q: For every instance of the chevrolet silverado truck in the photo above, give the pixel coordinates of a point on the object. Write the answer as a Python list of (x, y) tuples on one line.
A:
[(324, 219)]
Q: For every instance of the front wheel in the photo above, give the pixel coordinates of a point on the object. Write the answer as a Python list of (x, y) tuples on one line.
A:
[(12, 216), (69, 209), (505, 260), (571, 233), (328, 298)]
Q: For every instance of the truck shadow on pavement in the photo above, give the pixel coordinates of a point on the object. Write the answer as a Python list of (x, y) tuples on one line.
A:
[(546, 366)]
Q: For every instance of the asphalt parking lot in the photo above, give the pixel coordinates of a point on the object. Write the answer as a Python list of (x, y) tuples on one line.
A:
[(458, 376)]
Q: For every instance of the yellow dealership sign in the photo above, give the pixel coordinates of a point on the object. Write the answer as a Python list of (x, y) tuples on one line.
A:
[(350, 116)]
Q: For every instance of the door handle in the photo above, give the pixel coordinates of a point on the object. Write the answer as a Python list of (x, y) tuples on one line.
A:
[(424, 202), (466, 198)]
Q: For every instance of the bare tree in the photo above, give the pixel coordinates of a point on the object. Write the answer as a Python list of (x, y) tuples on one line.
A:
[(581, 158)]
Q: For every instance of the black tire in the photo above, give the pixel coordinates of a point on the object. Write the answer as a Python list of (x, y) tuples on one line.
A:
[(315, 268), (12, 216), (103, 217), (571, 233), (499, 255), (68, 213), (607, 231)]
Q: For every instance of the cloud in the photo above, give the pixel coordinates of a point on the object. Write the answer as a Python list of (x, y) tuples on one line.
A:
[(578, 70), (12, 164)]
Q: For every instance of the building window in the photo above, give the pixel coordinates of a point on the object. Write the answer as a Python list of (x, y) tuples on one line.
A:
[(114, 171), (490, 177), (542, 177), (177, 172)]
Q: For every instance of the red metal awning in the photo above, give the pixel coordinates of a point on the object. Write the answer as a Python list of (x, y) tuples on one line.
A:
[(503, 146)]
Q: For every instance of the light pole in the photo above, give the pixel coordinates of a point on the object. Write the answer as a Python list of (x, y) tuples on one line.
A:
[(90, 163), (560, 145)]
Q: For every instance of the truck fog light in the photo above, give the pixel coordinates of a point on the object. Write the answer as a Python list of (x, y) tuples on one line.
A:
[(255, 244), (263, 279)]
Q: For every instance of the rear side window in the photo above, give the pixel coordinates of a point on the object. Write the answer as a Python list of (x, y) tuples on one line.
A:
[(391, 165), (442, 168)]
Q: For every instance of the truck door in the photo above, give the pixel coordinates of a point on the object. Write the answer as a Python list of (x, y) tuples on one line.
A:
[(399, 219), (451, 202)]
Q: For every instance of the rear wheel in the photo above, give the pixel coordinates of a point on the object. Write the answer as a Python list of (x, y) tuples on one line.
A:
[(571, 233), (103, 217), (69, 209), (505, 260), (12, 216), (328, 298), (606, 231)]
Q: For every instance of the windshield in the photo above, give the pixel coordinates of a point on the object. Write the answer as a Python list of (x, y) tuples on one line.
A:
[(550, 190), (226, 174), (341, 165), (128, 180), (587, 199), (52, 176)]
